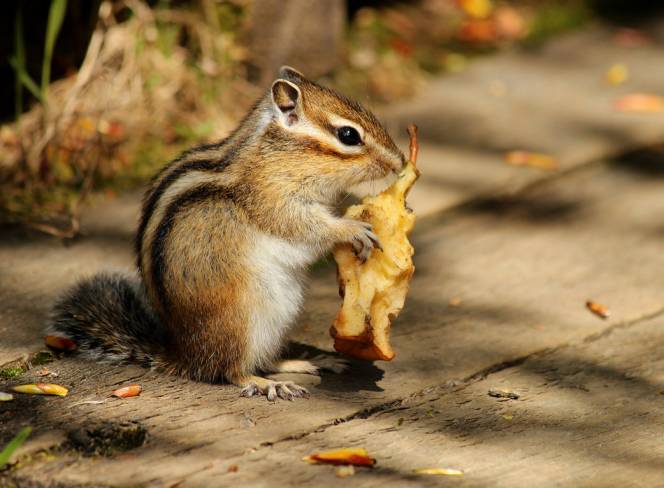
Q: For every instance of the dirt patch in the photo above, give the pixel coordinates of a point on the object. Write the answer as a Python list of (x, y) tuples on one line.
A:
[(107, 439)]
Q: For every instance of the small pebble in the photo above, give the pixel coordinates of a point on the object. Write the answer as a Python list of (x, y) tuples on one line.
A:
[(499, 393)]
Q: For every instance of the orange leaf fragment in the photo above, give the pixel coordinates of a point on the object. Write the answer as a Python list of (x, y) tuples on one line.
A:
[(60, 343), (598, 309), (127, 391), (42, 389), (356, 456), (639, 102), (532, 159)]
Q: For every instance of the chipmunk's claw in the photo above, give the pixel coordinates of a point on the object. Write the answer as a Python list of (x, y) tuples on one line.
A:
[(250, 390), (365, 242), (286, 390)]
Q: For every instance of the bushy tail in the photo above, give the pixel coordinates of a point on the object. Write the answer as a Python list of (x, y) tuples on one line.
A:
[(108, 317)]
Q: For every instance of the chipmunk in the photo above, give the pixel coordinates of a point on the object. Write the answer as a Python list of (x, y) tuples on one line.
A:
[(226, 233)]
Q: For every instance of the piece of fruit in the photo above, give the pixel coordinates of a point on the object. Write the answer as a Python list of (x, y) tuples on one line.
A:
[(374, 292), (356, 456), (42, 389)]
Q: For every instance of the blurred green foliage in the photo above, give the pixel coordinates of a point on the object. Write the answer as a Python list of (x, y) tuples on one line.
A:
[(13, 445), (554, 18)]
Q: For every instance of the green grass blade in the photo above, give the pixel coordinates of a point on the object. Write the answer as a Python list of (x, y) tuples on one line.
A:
[(19, 55), (14, 444), (56, 15), (25, 79)]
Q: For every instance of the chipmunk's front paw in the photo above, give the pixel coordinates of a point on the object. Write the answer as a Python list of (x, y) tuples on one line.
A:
[(364, 240), (286, 390)]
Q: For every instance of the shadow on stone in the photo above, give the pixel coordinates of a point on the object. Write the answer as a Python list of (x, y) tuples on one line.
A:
[(361, 376), (524, 208), (647, 162)]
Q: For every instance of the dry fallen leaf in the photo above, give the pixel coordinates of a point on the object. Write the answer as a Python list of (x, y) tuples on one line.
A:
[(639, 102), (598, 309), (507, 416), (357, 456), (628, 37), (478, 31), (345, 471), (439, 471), (532, 159), (233, 468), (47, 372), (480, 9), (42, 389), (60, 343), (510, 24), (617, 74), (374, 292), (6, 397), (127, 391)]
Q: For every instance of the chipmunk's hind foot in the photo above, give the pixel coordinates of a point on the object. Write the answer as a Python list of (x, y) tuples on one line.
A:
[(286, 390)]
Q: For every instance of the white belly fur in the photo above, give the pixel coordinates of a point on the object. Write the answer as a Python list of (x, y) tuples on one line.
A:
[(278, 273)]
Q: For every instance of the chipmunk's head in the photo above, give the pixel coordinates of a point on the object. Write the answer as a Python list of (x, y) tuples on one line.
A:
[(336, 137)]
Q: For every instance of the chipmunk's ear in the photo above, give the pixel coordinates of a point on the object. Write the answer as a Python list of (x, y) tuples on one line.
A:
[(286, 101), (290, 74)]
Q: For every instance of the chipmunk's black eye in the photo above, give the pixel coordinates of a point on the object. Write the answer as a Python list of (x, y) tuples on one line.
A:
[(349, 136)]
